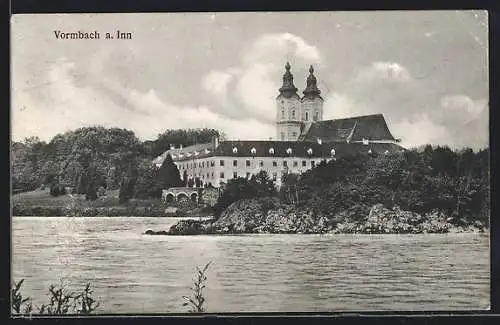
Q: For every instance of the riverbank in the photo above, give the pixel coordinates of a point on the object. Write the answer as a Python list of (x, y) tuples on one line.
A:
[(40, 203), (269, 215)]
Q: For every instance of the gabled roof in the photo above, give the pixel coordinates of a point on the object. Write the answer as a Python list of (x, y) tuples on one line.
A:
[(371, 127), (300, 149), (186, 152), (284, 149)]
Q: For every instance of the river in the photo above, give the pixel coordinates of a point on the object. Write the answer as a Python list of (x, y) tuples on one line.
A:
[(136, 273)]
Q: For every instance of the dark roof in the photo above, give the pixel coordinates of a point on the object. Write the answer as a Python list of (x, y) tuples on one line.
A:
[(298, 149), (371, 127), (200, 149)]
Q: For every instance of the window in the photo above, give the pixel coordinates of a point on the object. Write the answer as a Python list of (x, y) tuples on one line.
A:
[(295, 164), (275, 176), (194, 165), (199, 164), (221, 163), (221, 175), (248, 163), (203, 164), (307, 116), (313, 163), (235, 163), (282, 114), (212, 174), (294, 134), (303, 163), (285, 163), (208, 175), (293, 114), (261, 163), (235, 174), (248, 175), (275, 164), (316, 115), (212, 163)]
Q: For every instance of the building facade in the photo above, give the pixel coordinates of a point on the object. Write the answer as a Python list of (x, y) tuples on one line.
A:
[(304, 140)]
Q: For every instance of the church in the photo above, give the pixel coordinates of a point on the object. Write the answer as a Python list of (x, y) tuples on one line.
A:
[(303, 140)]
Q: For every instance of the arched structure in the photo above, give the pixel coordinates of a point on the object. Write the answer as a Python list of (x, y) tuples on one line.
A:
[(178, 194)]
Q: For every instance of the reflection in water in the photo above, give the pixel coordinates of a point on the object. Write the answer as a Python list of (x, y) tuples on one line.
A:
[(134, 273)]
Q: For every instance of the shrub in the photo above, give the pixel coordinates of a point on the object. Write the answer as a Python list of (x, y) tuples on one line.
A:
[(101, 191), (197, 300), (61, 301), (55, 190)]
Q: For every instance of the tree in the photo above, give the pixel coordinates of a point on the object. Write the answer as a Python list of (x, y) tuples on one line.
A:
[(54, 189), (168, 174), (185, 178), (242, 188), (235, 189), (181, 136), (263, 184), (290, 188), (147, 185), (91, 191), (128, 183)]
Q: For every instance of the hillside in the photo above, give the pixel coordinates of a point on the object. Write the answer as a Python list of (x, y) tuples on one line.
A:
[(105, 155)]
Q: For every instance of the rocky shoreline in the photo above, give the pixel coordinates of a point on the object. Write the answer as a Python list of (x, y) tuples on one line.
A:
[(270, 216)]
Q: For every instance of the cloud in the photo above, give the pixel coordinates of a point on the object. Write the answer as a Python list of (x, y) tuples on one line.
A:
[(383, 71), (72, 96), (241, 97), (216, 82), (420, 129), (414, 111), (67, 105), (339, 105), (272, 47), (462, 104), (252, 85)]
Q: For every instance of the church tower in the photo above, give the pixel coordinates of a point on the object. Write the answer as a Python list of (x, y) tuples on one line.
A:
[(288, 112), (311, 103)]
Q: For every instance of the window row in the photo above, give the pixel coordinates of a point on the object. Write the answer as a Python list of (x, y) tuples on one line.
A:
[(305, 117), (248, 163), (235, 175)]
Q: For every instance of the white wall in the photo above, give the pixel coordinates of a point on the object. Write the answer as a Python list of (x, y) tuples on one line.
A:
[(241, 167)]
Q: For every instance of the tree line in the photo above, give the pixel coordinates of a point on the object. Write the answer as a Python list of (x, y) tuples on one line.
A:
[(93, 160), (421, 180)]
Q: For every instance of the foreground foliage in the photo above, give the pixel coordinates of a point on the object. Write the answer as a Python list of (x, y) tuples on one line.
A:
[(62, 301), (196, 302)]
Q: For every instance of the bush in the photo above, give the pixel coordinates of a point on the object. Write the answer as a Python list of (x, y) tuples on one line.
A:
[(101, 191), (55, 190), (197, 300), (61, 301)]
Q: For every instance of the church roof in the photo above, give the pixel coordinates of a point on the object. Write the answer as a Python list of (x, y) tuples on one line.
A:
[(371, 127), (311, 91), (278, 149), (288, 89)]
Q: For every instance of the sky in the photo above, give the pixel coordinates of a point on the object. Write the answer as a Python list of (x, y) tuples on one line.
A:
[(426, 71)]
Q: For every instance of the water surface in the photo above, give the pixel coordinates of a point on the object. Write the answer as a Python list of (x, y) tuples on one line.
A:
[(136, 273)]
